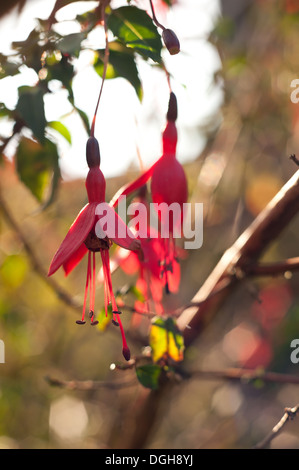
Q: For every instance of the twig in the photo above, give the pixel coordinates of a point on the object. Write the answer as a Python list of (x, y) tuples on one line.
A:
[(245, 375), (154, 16), (295, 159), (106, 60), (273, 269), (290, 413), (89, 385)]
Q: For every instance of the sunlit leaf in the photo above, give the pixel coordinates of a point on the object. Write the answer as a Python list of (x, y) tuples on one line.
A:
[(121, 64), (30, 107), (134, 28), (13, 270), (148, 375), (166, 340), (62, 129), (35, 165)]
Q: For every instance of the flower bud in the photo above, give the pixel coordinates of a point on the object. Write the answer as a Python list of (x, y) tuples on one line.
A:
[(171, 41), (93, 153), (172, 112)]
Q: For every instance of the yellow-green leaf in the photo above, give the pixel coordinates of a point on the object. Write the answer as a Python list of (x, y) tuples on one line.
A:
[(166, 340), (13, 270)]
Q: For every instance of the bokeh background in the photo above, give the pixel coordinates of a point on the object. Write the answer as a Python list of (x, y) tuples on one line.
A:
[(238, 127)]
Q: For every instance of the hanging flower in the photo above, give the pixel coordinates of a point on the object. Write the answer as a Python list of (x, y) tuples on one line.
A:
[(150, 273), (82, 238), (168, 186)]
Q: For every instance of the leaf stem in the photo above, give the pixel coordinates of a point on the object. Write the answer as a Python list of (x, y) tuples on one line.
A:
[(106, 60), (155, 18)]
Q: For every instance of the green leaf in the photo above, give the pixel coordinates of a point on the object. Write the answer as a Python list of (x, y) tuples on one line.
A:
[(166, 340), (62, 129), (60, 68), (36, 164), (30, 107), (134, 28), (121, 64), (4, 111), (148, 375), (83, 117), (71, 44), (30, 50), (54, 186)]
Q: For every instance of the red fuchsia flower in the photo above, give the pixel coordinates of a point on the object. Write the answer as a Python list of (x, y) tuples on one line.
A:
[(82, 239), (147, 268), (168, 185), (150, 280)]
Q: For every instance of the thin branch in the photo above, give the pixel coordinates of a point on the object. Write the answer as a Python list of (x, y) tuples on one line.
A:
[(273, 269), (245, 375), (106, 60), (289, 413), (155, 18), (89, 385), (295, 159), (232, 374)]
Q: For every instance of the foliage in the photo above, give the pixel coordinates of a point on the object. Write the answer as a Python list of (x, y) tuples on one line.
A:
[(53, 57)]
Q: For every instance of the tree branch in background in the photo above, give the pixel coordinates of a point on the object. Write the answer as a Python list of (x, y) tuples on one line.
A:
[(243, 254), (273, 269), (290, 413), (89, 385)]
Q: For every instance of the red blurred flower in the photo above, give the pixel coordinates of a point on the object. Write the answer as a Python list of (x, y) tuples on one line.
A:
[(81, 239), (168, 185), (151, 275), (292, 6)]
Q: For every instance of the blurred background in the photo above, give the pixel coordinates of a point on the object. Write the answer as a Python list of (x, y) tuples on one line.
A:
[(237, 127)]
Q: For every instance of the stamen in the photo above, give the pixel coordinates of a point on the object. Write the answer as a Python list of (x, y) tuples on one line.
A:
[(116, 318), (92, 288), (82, 322), (106, 295)]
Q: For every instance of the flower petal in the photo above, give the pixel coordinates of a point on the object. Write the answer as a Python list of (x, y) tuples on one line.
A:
[(110, 224), (129, 188), (74, 238), (75, 259)]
